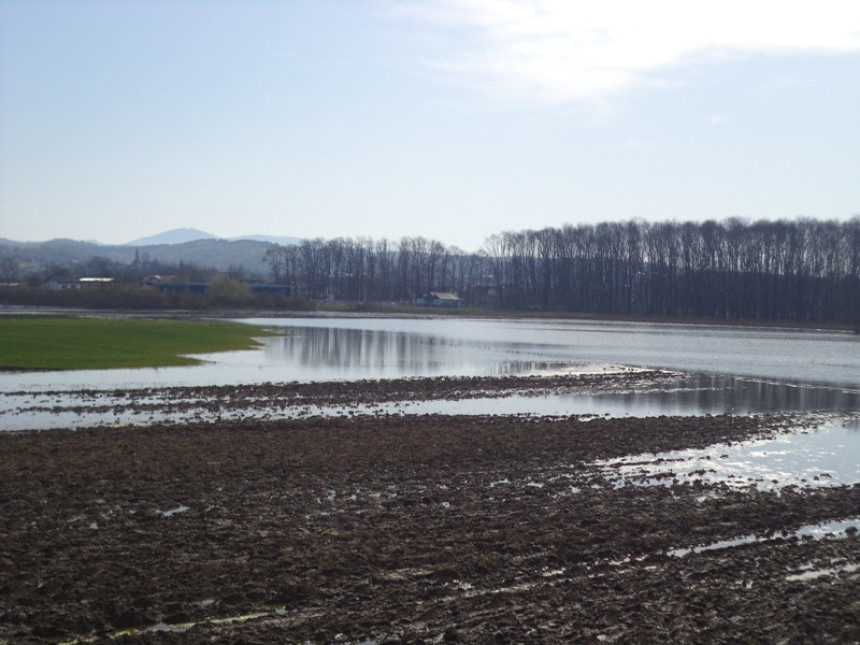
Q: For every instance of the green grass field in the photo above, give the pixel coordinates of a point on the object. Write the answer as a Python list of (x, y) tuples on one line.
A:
[(103, 343)]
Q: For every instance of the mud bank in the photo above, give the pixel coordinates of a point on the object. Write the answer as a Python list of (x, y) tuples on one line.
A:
[(411, 530)]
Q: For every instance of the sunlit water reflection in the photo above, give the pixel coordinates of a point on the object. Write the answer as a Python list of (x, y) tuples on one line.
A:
[(834, 529), (348, 348), (825, 456)]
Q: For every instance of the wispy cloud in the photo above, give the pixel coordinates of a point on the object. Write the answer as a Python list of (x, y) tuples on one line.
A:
[(719, 119), (567, 51)]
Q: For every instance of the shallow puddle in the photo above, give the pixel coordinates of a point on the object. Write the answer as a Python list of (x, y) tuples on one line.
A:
[(810, 572), (825, 530), (173, 511), (178, 628), (824, 456)]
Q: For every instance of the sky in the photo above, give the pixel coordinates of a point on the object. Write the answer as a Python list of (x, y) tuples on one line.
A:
[(452, 120)]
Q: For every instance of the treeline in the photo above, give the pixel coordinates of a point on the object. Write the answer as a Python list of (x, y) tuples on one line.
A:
[(365, 270), (803, 270)]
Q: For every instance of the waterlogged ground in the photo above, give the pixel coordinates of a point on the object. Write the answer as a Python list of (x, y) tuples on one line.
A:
[(337, 488), (379, 527), (597, 390)]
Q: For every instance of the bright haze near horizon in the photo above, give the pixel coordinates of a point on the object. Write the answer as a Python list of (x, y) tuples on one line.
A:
[(448, 119)]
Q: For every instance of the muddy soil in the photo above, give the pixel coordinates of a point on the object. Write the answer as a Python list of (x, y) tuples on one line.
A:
[(428, 529)]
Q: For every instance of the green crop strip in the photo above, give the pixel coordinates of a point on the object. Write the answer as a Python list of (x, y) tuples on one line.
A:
[(103, 343)]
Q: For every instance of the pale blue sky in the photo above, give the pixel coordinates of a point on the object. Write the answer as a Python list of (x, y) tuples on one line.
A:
[(449, 119)]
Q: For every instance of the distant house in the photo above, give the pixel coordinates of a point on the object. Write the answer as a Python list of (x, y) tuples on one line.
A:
[(95, 283), (170, 284), (80, 283), (439, 299)]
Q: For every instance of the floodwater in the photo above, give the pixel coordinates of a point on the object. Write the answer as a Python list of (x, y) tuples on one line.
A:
[(686, 395), (327, 349), (728, 369), (346, 348)]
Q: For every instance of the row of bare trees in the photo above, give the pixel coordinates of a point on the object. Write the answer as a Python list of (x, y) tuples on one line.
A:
[(803, 270), (800, 270), (368, 270)]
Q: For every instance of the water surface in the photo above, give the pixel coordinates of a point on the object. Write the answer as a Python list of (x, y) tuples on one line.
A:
[(383, 347), (731, 369), (326, 349)]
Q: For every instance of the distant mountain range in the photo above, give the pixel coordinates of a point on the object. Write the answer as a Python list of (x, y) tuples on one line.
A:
[(183, 235), (190, 246), (175, 236)]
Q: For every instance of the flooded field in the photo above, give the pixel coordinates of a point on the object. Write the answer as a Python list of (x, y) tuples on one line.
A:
[(345, 348), (329, 349), (418, 481), (716, 370), (633, 393)]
